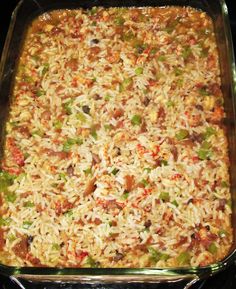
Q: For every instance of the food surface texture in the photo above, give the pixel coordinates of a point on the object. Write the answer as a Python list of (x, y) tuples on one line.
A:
[(116, 154)]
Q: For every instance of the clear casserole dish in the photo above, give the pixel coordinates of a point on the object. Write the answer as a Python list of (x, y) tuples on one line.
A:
[(23, 15)]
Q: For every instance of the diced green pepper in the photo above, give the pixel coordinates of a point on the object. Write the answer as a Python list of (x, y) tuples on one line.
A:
[(164, 196), (125, 195), (21, 176), (154, 254), (169, 29), (79, 141), (93, 10), (6, 180), (164, 256), (45, 68), (136, 120), (182, 134), (128, 36), (205, 145), (57, 124), (153, 51), (212, 248), (81, 117), (161, 58), (229, 203), (175, 203), (183, 258), (186, 52), (203, 154), (26, 155), (107, 126), (40, 92), (62, 176), (144, 182), (4, 222), (147, 169), (115, 171), (178, 71), (170, 103), (56, 247), (92, 263), (14, 123), (28, 78), (209, 132), (11, 197), (35, 57), (88, 171), (164, 163), (29, 204), (107, 97), (140, 47), (204, 52), (94, 133), (119, 21), (125, 84), (67, 145), (222, 233), (139, 71), (68, 106), (69, 213), (37, 132), (224, 184), (11, 237), (180, 82), (27, 224), (203, 91)]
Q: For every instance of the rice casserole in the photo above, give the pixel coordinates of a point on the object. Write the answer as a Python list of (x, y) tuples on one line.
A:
[(116, 154)]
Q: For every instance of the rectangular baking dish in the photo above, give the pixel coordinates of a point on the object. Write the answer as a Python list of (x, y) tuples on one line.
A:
[(24, 13)]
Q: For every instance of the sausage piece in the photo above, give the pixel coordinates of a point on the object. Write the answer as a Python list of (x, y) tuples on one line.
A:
[(2, 240), (90, 188), (129, 182), (21, 248)]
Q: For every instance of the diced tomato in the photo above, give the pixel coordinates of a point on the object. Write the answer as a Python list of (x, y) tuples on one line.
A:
[(199, 85), (182, 241), (11, 170), (81, 255), (141, 149), (168, 216), (34, 261), (16, 153), (192, 41), (218, 113), (62, 207), (195, 159), (176, 176), (155, 151), (147, 192), (74, 82), (152, 82)]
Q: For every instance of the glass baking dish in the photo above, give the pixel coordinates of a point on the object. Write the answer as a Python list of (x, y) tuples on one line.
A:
[(22, 16)]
